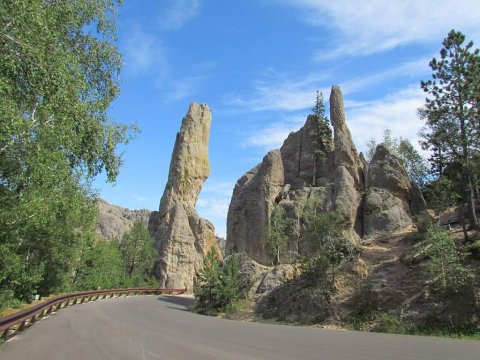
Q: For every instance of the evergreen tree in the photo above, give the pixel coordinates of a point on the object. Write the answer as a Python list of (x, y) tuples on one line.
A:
[(216, 286), (319, 111), (319, 107), (276, 236), (451, 114), (445, 267), (323, 132), (328, 246)]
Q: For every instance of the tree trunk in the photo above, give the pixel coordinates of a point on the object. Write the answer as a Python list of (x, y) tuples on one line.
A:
[(276, 260), (314, 169), (464, 226), (471, 205)]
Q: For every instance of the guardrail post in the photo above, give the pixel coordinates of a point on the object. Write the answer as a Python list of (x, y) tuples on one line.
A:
[(22, 326)]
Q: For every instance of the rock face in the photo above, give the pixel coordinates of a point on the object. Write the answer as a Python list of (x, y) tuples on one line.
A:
[(392, 201), (181, 236), (255, 194), (311, 166), (114, 221)]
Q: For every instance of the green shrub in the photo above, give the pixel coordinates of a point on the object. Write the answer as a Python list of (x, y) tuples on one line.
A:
[(392, 325), (8, 300), (329, 247), (216, 286), (445, 267), (475, 249)]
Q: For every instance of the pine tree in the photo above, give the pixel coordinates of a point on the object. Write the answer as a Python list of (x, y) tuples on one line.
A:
[(277, 237), (216, 285), (451, 112), (319, 108)]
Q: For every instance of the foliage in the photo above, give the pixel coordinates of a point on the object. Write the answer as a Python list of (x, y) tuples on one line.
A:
[(414, 163), (475, 249), (59, 73), (216, 286), (276, 236), (445, 267), (319, 108), (391, 324), (8, 300), (329, 247), (100, 266), (323, 122), (452, 114), (138, 254), (440, 194)]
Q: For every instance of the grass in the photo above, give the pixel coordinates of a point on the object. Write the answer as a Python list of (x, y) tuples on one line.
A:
[(391, 324)]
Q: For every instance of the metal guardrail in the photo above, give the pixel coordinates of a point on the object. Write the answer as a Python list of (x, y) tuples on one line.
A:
[(10, 325)]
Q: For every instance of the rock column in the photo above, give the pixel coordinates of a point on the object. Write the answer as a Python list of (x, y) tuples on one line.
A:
[(181, 236)]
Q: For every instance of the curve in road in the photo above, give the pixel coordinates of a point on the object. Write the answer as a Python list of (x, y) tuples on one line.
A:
[(152, 327)]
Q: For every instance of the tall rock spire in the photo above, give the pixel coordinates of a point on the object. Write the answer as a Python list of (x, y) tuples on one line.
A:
[(181, 236), (345, 151)]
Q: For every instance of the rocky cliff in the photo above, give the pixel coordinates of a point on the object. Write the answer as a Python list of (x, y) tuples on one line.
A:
[(373, 199), (181, 236), (114, 221)]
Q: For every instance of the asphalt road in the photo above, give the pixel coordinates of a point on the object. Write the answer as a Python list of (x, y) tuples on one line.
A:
[(152, 327)]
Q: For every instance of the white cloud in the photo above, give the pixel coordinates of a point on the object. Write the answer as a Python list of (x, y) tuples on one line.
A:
[(365, 119), (144, 53), (178, 12), (184, 88), (214, 202), (275, 92), (379, 25), (273, 136), (397, 112), (413, 68)]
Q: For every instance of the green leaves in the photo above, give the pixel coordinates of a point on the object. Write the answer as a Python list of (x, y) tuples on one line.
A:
[(276, 233), (328, 246), (138, 254), (452, 114), (216, 287), (58, 75), (414, 163), (99, 266), (445, 268)]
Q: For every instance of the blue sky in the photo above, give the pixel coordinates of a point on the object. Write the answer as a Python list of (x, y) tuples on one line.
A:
[(258, 65)]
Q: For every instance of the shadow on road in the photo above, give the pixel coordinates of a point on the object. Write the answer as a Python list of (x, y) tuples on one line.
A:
[(181, 301)]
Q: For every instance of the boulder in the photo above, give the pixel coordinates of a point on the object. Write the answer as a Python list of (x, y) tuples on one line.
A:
[(181, 236), (256, 280), (392, 200)]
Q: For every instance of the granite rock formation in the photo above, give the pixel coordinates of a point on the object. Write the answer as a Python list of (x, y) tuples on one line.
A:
[(393, 200), (181, 236), (373, 199), (114, 221)]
